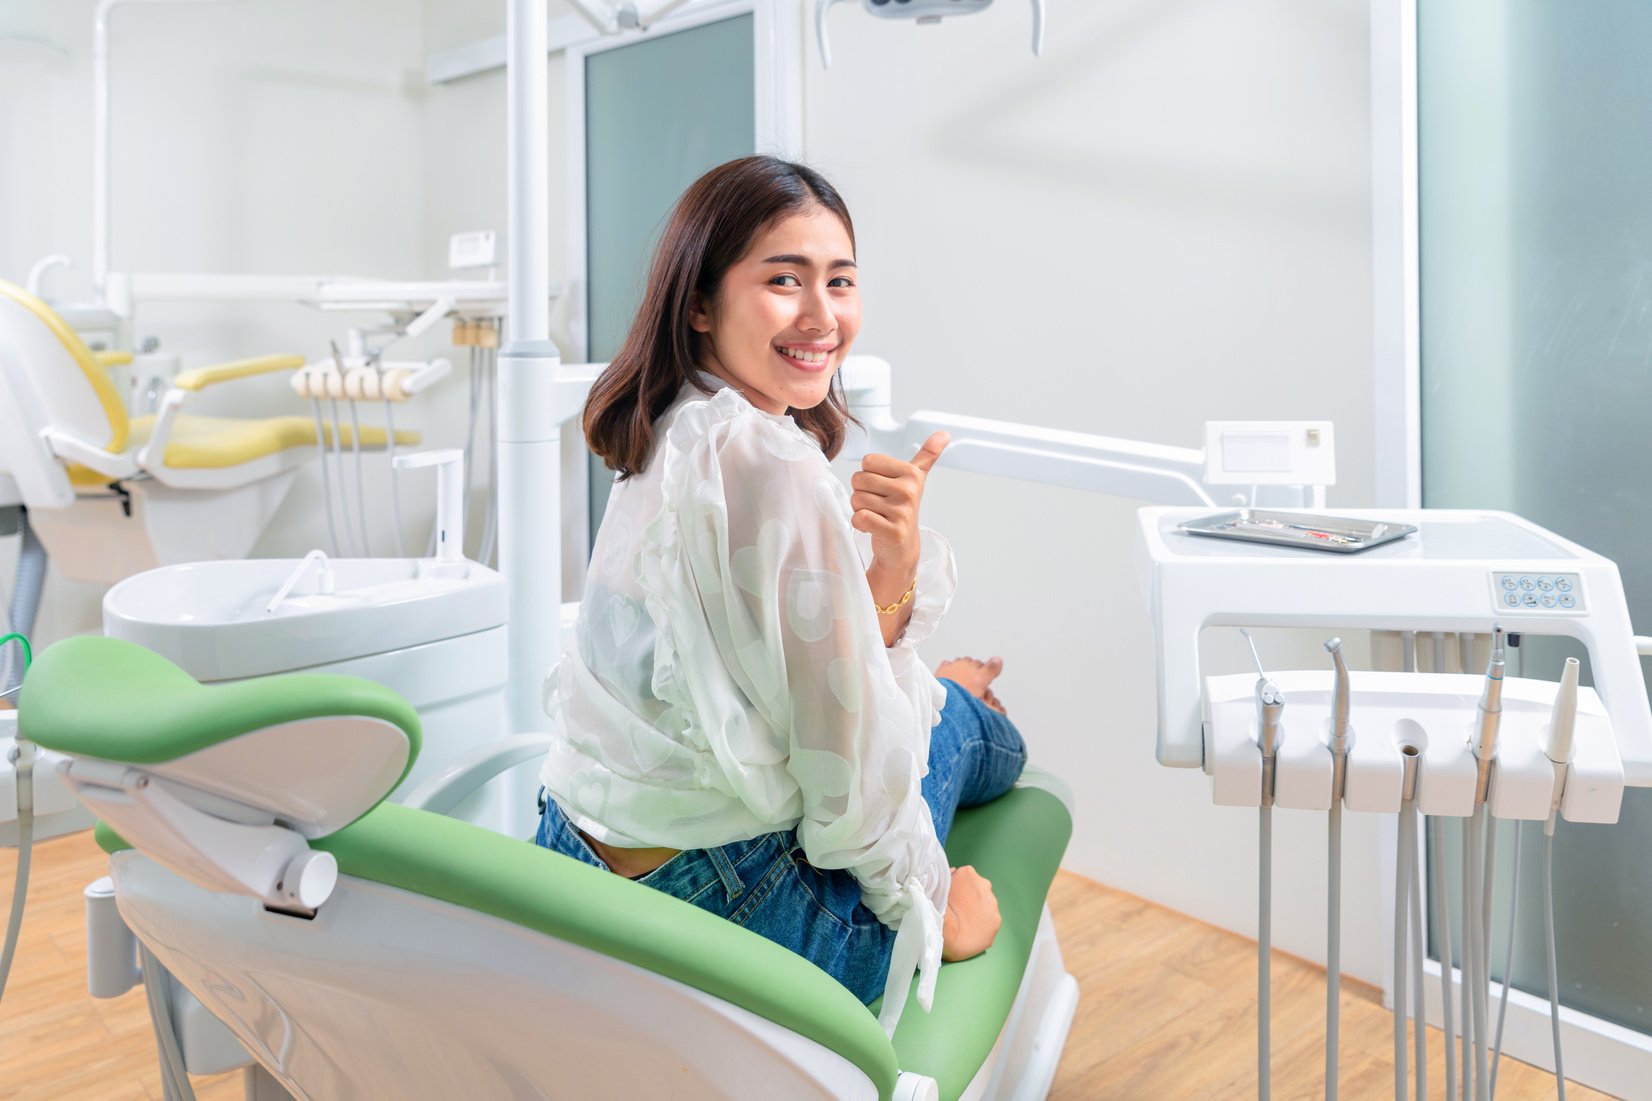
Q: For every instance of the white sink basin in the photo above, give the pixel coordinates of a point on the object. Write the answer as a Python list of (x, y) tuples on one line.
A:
[(210, 617)]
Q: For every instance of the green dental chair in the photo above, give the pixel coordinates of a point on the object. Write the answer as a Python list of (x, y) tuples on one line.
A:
[(358, 949)]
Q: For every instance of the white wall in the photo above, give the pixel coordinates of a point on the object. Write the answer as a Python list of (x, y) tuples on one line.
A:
[(258, 136), (1165, 220)]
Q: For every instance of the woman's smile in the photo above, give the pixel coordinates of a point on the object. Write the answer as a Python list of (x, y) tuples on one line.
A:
[(785, 314)]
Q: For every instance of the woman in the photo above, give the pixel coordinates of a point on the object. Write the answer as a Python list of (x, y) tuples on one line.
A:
[(744, 722)]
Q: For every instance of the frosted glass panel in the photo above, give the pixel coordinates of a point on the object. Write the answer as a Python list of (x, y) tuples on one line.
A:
[(1536, 264), (658, 115)]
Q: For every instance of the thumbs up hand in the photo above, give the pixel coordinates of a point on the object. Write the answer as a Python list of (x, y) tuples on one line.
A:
[(887, 492)]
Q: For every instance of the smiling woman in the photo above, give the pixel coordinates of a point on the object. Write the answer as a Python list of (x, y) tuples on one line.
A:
[(714, 243), (744, 722)]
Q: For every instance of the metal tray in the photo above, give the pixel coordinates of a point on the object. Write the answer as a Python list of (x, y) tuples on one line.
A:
[(1307, 530)]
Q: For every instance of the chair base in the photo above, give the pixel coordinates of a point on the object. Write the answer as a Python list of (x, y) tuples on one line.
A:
[(166, 911), (103, 539)]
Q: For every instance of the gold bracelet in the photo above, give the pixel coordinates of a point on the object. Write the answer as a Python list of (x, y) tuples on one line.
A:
[(906, 598)]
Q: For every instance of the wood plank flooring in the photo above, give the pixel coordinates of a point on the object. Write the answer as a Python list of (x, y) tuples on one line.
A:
[(1166, 1011)]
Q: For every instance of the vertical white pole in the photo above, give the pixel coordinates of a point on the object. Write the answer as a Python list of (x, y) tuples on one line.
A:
[(1394, 254), (100, 146), (530, 481)]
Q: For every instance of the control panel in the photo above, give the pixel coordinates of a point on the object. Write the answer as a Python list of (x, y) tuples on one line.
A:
[(1538, 592)]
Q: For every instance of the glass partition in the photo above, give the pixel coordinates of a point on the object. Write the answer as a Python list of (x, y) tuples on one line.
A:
[(658, 113), (1535, 193)]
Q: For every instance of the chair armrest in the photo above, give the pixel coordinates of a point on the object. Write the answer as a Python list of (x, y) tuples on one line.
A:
[(77, 450), (112, 359), (152, 456), (198, 378), (441, 793)]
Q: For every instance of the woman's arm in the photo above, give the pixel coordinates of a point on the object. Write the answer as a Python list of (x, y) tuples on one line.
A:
[(887, 495), (888, 585)]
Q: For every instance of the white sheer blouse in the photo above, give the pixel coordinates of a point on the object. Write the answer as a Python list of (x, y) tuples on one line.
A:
[(729, 677)]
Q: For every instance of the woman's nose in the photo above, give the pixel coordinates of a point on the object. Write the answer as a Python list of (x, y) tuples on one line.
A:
[(815, 312)]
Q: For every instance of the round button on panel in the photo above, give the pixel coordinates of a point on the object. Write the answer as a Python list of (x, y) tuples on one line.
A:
[(1564, 584), (1567, 600), (1530, 600), (1512, 599), (1545, 584), (1528, 584), (1549, 600), (1509, 583)]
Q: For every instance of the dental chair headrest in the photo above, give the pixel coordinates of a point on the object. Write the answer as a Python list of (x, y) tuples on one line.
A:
[(313, 752)]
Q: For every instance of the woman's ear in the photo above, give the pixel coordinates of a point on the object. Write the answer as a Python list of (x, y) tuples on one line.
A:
[(699, 319)]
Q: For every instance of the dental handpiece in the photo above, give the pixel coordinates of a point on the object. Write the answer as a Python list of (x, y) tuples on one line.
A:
[(1270, 708), (1342, 735), (1562, 725), (1490, 718)]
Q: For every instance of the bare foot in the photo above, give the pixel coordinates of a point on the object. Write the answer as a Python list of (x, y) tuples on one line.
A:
[(976, 678)]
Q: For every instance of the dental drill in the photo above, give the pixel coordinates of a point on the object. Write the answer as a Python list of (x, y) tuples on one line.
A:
[(1270, 707), (1342, 739), (1478, 870)]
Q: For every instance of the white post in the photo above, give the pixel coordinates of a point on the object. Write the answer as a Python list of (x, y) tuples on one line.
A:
[(100, 146), (529, 418)]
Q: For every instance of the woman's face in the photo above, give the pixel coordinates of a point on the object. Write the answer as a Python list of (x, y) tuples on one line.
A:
[(786, 313)]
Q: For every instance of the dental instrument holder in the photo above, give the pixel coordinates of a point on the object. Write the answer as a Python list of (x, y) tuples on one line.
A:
[(1490, 719), (1560, 735), (1341, 732), (1270, 706), (450, 507), (1449, 577)]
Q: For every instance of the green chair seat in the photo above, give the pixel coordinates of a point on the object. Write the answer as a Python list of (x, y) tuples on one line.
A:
[(147, 711), (1016, 842)]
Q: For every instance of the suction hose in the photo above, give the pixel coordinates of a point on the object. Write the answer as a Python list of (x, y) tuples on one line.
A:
[(25, 600)]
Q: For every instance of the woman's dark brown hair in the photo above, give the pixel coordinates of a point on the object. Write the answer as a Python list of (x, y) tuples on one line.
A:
[(710, 228)]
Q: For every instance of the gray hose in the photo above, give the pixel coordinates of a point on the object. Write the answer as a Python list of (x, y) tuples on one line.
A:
[(1406, 853), (361, 494), (343, 489), (25, 848), (1419, 947), (1264, 956), (1466, 1019), (1333, 948), (326, 482), (490, 530), (1437, 844), (395, 485), (1477, 855), (30, 581), (1508, 963), (1554, 982)]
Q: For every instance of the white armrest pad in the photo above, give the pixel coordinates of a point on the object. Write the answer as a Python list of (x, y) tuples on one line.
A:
[(77, 450)]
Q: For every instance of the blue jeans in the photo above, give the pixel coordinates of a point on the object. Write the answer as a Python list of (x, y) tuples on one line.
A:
[(767, 885)]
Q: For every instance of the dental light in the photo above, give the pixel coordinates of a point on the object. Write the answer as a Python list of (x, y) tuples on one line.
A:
[(612, 18), (924, 11)]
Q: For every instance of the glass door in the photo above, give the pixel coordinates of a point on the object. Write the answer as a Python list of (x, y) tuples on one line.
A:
[(659, 111), (1535, 263)]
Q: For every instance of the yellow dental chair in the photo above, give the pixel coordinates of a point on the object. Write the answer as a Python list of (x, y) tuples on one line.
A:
[(109, 495)]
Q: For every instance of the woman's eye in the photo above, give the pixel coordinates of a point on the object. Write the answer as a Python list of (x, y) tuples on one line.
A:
[(842, 281), (780, 281)]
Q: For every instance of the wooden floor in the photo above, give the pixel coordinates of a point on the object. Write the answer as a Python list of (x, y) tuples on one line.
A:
[(1166, 1009)]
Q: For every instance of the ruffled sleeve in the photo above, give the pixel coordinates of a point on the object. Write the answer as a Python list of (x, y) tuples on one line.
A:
[(762, 525)]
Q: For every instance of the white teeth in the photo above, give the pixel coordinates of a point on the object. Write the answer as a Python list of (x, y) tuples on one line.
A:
[(806, 357)]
